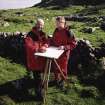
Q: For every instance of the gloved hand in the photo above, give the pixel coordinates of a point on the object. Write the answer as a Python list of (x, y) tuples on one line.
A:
[(61, 48), (46, 45), (42, 49)]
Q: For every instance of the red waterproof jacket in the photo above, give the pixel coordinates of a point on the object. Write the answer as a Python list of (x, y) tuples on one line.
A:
[(63, 37), (33, 41)]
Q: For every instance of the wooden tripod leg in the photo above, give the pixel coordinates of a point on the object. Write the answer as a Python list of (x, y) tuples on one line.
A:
[(44, 80), (49, 69), (65, 78), (60, 70), (45, 72), (47, 80)]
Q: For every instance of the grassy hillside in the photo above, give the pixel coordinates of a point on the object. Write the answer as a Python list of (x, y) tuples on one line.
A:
[(66, 3), (23, 20), (77, 94)]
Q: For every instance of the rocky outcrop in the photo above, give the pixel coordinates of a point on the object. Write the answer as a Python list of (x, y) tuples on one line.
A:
[(65, 3)]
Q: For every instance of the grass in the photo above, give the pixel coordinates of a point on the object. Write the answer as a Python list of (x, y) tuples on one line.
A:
[(31, 14), (25, 22), (10, 71)]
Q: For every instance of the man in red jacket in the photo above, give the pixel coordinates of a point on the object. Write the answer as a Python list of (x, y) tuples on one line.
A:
[(36, 41), (63, 38)]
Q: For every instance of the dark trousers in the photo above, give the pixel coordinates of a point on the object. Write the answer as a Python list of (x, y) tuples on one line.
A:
[(37, 82)]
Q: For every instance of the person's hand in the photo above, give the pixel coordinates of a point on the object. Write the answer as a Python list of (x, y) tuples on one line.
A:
[(61, 48), (42, 49), (46, 45)]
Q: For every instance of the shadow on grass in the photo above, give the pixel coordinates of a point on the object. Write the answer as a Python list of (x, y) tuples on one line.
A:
[(18, 90)]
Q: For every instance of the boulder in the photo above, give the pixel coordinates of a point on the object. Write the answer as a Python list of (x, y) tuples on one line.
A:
[(88, 29), (6, 24), (102, 26)]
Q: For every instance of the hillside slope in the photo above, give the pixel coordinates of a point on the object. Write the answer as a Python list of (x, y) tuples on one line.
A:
[(66, 3)]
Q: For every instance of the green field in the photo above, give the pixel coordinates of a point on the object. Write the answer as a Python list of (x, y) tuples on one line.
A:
[(10, 71), (25, 22)]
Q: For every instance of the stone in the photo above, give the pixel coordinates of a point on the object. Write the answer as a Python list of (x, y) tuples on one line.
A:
[(102, 26), (6, 24)]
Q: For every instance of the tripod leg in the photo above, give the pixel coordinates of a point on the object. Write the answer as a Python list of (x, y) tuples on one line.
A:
[(45, 72), (62, 74), (47, 79)]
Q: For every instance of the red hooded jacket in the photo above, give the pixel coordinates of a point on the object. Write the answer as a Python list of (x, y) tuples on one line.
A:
[(33, 41), (63, 37)]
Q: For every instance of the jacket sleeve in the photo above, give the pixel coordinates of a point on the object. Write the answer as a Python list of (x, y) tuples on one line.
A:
[(51, 39), (45, 40), (71, 42), (31, 45)]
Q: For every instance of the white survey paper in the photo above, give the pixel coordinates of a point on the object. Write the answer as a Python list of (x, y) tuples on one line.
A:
[(51, 52)]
